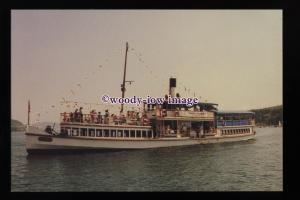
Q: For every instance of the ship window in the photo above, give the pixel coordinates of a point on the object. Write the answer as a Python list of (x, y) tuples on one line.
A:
[(98, 133), (68, 130), (113, 133), (75, 131), (83, 132), (120, 133), (132, 133), (91, 132), (138, 133), (126, 132), (106, 133), (144, 134), (149, 133)]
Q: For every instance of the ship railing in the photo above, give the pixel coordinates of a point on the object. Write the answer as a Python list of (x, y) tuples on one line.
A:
[(184, 113), (102, 119)]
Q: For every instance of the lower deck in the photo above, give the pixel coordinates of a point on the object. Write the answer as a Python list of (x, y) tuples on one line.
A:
[(44, 142)]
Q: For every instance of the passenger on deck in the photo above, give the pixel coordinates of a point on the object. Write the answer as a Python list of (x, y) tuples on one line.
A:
[(65, 117), (144, 119), (128, 113), (99, 118), (93, 116), (71, 117), (165, 103), (80, 115), (172, 131), (106, 113), (106, 117), (123, 118), (114, 117), (76, 115), (168, 130)]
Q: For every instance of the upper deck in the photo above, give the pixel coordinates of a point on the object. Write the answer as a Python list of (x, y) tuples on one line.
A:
[(198, 112), (186, 115), (103, 120), (235, 118)]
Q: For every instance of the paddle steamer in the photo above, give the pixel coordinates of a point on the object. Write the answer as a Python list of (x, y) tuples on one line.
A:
[(165, 125)]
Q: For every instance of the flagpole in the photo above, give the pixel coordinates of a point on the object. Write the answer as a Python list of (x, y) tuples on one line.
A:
[(28, 114)]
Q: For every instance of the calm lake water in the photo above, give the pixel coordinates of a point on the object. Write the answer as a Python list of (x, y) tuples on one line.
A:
[(254, 165)]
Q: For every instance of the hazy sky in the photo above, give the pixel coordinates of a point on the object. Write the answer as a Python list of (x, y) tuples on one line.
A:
[(233, 58)]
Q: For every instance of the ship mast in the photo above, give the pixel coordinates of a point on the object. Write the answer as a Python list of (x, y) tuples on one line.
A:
[(123, 89)]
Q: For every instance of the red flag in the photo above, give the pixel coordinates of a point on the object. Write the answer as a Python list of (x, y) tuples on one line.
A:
[(28, 106)]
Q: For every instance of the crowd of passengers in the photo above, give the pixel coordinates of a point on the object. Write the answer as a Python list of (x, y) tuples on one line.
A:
[(132, 117)]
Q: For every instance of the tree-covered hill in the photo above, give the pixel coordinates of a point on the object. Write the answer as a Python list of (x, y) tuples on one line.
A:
[(17, 125), (268, 116)]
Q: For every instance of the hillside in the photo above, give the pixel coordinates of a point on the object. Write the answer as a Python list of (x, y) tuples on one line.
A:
[(269, 116), (17, 125)]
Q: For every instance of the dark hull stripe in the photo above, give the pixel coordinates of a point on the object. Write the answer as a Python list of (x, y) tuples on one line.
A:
[(72, 151)]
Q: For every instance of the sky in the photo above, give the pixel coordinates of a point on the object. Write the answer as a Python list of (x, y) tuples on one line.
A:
[(229, 57)]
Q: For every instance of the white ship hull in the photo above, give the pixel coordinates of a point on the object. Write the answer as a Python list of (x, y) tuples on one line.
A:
[(41, 142)]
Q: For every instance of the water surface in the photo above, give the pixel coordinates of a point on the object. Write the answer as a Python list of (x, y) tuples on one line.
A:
[(254, 165)]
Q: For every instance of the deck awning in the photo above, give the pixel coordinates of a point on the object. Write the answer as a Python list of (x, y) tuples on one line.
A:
[(234, 112), (207, 104), (185, 119)]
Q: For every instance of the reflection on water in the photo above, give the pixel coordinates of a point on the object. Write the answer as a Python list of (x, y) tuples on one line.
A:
[(246, 165)]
